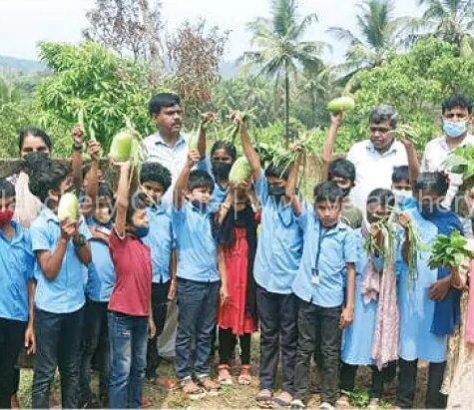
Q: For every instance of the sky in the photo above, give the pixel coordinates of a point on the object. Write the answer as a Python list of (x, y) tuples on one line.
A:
[(25, 22)]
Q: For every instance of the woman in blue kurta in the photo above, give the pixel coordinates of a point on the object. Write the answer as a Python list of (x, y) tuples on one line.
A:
[(429, 307)]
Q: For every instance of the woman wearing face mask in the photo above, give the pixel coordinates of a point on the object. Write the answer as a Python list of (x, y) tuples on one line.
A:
[(429, 306), (223, 155)]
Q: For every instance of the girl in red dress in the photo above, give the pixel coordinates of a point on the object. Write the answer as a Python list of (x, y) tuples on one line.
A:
[(237, 221)]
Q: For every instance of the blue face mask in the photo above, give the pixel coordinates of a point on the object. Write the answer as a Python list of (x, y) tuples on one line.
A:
[(454, 129), (141, 231)]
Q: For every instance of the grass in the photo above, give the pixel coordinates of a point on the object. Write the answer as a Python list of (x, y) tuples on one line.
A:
[(235, 396)]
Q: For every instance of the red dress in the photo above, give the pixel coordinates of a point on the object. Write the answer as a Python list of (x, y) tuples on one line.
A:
[(232, 314)]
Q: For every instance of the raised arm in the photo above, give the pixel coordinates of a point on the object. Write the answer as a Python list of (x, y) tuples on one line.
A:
[(413, 163), (249, 150), (122, 202), (93, 148), (206, 118), (182, 181), (76, 160), (336, 121), (293, 183)]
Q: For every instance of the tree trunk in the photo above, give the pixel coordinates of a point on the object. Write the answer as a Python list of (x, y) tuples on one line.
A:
[(287, 104), (313, 109)]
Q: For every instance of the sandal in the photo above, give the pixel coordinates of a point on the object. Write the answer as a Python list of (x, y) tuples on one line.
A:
[(264, 399), (283, 400), (192, 390), (245, 377), (211, 388), (224, 377)]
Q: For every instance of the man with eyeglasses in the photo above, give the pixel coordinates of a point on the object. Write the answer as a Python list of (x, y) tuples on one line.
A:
[(375, 158), (457, 117)]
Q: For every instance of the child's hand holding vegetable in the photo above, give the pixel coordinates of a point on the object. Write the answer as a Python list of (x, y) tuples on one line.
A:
[(94, 149), (336, 119), (77, 135), (68, 229), (404, 220), (207, 117), (193, 158)]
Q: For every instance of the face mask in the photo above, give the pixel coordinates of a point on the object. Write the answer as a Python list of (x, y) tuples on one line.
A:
[(221, 169), (276, 190), (141, 231), (401, 195), (199, 205), (427, 209), (6, 217), (454, 129), (345, 192)]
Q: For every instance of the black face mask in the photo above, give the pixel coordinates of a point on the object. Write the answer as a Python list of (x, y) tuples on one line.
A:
[(221, 169), (345, 192), (276, 191)]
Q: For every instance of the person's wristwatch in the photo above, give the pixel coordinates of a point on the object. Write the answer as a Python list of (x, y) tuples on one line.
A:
[(80, 241)]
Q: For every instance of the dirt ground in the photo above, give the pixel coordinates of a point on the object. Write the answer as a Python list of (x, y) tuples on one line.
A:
[(235, 396)]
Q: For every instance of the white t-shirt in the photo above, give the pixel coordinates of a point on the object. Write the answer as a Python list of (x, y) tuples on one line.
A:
[(373, 169)]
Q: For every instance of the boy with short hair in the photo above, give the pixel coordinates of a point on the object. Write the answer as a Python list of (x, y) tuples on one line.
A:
[(198, 279), (277, 259), (155, 180), (402, 188), (342, 172), (16, 293), (327, 267), (129, 316), (62, 250)]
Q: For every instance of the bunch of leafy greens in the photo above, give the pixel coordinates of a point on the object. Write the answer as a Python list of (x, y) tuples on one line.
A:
[(449, 251)]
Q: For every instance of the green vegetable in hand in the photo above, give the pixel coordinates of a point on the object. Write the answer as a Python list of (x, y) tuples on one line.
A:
[(193, 141), (461, 161), (68, 207), (341, 104), (240, 171), (121, 147), (449, 251)]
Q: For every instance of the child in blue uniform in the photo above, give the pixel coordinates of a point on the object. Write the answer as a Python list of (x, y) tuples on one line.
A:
[(16, 293), (358, 339), (429, 307)]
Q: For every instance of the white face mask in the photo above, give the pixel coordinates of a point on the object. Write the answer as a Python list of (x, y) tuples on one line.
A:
[(401, 194)]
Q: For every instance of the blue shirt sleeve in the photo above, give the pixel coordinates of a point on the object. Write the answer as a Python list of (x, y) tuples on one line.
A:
[(302, 220), (350, 247), (204, 165), (84, 230), (261, 188), (40, 240)]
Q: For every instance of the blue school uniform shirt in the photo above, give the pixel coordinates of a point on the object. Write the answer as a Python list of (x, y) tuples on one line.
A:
[(326, 253), (417, 341), (219, 193), (195, 244), (160, 241), (17, 263), (101, 272), (65, 293), (280, 243)]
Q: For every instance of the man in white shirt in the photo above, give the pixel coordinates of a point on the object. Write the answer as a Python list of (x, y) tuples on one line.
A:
[(375, 158), (168, 145), (457, 116)]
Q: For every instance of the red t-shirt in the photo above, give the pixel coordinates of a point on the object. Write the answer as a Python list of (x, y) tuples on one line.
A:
[(132, 261)]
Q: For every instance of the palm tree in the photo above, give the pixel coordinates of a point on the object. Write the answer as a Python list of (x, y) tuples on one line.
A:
[(450, 20), (379, 36), (281, 52)]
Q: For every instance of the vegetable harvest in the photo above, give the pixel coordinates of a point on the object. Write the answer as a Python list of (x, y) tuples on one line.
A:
[(341, 104), (126, 146), (462, 162), (68, 207), (449, 251), (240, 171)]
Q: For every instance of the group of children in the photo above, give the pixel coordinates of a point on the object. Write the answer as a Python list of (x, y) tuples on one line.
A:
[(96, 289)]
